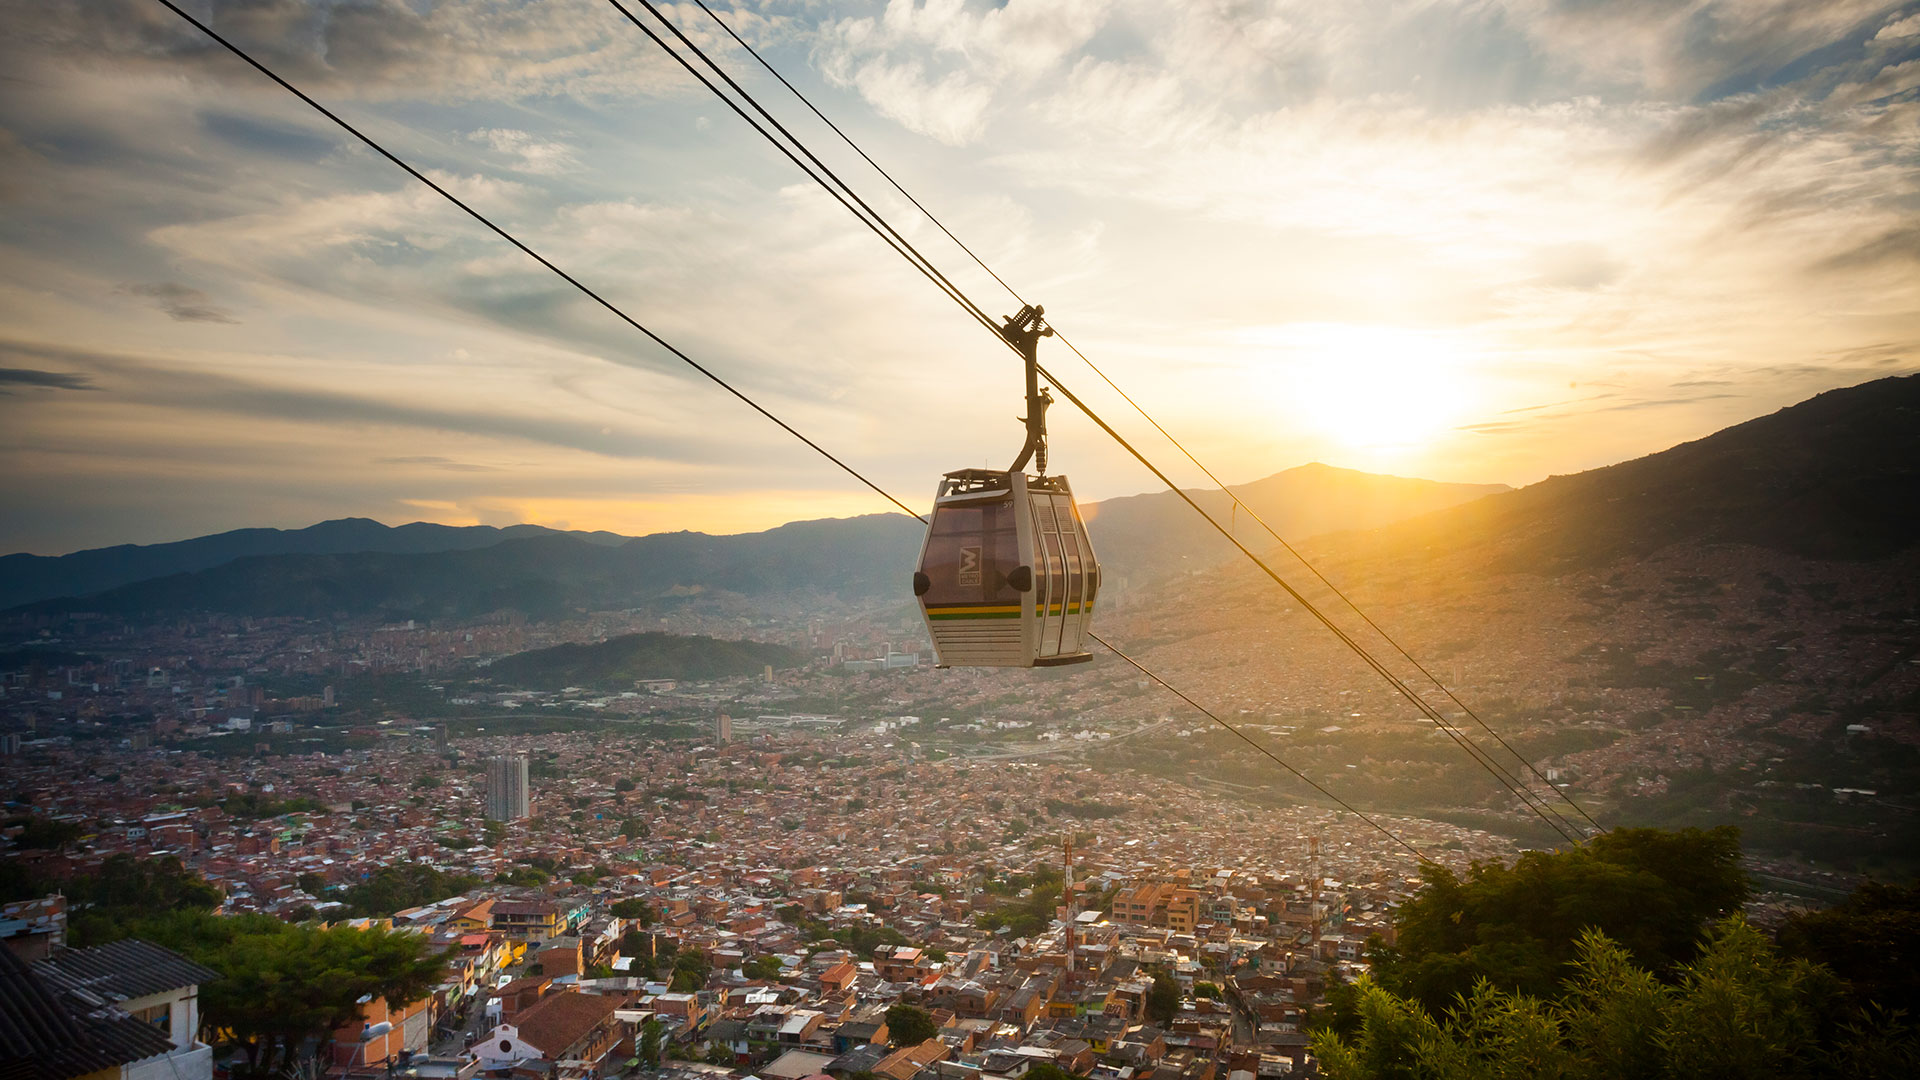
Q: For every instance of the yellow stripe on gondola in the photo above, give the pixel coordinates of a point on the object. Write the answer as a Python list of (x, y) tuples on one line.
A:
[(993, 611), (1072, 609)]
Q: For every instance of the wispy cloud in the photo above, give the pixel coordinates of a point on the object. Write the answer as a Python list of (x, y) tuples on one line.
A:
[(182, 303), (48, 380)]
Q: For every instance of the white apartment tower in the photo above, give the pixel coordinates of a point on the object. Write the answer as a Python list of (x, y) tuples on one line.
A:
[(507, 788)]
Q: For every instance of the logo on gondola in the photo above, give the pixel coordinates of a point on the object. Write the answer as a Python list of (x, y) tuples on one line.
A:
[(970, 565)]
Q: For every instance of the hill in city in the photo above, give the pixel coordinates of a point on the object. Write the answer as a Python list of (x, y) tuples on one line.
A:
[(618, 662)]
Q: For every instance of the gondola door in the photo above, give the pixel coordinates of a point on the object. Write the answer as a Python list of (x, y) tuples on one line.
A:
[(1052, 608)]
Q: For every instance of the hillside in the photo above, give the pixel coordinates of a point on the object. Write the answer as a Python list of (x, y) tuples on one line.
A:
[(617, 662), (1834, 477), (1154, 534), (1726, 632), (25, 578)]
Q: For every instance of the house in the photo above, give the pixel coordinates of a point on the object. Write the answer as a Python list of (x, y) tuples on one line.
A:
[(526, 920), (571, 1032), (129, 1010), (906, 1062), (411, 1024), (475, 919)]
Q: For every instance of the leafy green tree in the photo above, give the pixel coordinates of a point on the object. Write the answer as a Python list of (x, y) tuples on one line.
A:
[(1652, 891), (282, 985), (624, 785), (1872, 940), (313, 884), (1163, 1001), (1207, 990), (690, 971), (763, 967), (633, 908), (1738, 1009), (650, 1043), (635, 829), (44, 833), (1047, 1070), (910, 1025), (396, 888)]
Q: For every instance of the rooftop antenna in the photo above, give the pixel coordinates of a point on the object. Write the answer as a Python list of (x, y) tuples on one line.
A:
[(1072, 901)]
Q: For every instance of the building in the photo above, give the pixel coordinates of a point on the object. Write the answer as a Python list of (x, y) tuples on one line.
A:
[(723, 728), (127, 1010), (570, 1032), (508, 791)]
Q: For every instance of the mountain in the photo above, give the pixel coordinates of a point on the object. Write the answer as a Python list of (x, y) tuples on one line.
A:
[(361, 567), (542, 575), (26, 578), (1720, 633), (1834, 477), (1148, 535), (618, 662)]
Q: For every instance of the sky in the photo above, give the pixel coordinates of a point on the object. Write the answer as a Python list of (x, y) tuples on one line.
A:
[(1479, 241)]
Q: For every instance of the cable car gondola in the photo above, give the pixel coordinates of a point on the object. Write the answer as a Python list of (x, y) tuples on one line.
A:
[(1007, 576)]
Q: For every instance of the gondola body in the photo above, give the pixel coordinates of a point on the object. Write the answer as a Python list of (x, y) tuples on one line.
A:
[(1007, 576)]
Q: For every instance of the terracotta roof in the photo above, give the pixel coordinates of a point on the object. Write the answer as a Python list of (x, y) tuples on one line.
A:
[(562, 1019), (902, 1064)]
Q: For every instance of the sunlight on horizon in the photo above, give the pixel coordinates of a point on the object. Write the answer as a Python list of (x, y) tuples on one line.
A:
[(1375, 389)]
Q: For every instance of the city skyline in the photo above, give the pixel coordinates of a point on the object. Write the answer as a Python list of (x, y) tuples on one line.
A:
[(1473, 243)]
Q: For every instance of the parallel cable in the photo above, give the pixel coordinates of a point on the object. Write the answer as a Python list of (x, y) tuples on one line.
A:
[(876, 223), (866, 214), (709, 374), (1208, 713), (1224, 488), (1526, 796)]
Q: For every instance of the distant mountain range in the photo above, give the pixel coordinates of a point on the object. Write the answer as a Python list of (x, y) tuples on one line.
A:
[(359, 567), (618, 662), (26, 578)]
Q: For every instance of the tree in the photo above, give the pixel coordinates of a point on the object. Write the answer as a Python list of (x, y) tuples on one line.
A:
[(1207, 990), (1047, 1070), (281, 984), (396, 888), (633, 908), (635, 829), (1163, 1001), (690, 971), (1872, 940), (45, 833), (1738, 1009), (910, 1025), (1651, 891), (311, 883), (763, 967), (624, 785), (650, 1043)]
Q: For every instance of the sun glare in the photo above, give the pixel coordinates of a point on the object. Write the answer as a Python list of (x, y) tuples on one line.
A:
[(1379, 389)]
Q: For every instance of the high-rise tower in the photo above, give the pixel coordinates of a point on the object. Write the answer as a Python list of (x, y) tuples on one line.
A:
[(509, 794)]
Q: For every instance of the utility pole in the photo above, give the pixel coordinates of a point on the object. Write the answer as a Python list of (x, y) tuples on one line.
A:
[(1313, 891), (1072, 901)]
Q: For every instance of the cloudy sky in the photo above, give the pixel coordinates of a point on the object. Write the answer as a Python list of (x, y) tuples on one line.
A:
[(1477, 240)]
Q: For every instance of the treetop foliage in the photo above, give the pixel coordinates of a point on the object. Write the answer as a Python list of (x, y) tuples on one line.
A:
[(1738, 1009), (1653, 892)]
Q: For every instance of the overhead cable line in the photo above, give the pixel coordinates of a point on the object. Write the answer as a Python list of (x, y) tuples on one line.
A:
[(873, 220), (1230, 493), (709, 374)]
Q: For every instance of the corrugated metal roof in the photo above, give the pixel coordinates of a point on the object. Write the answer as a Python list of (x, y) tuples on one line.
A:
[(122, 970), (50, 1034)]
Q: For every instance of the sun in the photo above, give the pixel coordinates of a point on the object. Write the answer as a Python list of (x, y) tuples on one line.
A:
[(1379, 389)]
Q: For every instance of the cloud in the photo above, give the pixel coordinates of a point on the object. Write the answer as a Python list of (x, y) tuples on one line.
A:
[(52, 380), (535, 155), (181, 303), (1899, 28), (435, 462)]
